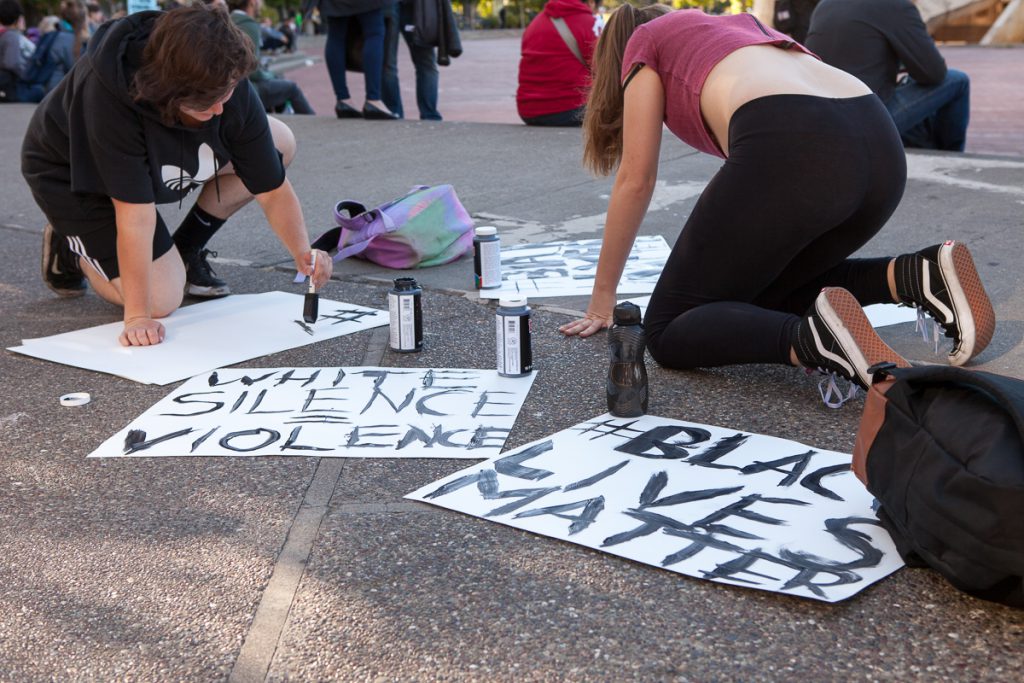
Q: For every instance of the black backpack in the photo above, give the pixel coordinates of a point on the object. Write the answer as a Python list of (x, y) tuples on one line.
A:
[(942, 449)]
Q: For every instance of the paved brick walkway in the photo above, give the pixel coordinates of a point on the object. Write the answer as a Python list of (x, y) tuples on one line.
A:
[(480, 86)]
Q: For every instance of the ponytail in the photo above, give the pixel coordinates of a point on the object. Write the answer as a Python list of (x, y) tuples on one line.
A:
[(602, 124)]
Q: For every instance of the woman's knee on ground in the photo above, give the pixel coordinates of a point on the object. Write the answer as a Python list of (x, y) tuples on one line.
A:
[(667, 352), (284, 139)]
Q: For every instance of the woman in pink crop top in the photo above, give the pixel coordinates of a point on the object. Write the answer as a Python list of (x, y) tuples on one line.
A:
[(761, 273)]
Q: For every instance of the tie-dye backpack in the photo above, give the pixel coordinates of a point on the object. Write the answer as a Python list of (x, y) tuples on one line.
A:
[(427, 227)]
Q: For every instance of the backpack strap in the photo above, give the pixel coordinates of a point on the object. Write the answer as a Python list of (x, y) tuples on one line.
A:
[(570, 40)]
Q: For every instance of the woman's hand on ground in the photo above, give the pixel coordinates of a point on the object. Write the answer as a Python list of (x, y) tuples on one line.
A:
[(141, 332), (592, 323), (599, 316)]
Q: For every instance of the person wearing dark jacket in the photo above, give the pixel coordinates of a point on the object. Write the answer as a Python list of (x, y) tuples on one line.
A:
[(554, 70), (274, 92), (15, 53), (139, 121), (876, 39)]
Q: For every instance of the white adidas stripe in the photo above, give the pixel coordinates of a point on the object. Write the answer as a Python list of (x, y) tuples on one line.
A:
[(79, 248)]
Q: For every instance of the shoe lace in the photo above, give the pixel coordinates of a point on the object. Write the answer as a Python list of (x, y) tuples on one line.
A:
[(829, 390), (924, 322), (202, 265)]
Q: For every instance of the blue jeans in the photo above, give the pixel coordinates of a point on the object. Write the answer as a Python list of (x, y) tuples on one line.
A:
[(423, 59), (933, 116), (372, 25)]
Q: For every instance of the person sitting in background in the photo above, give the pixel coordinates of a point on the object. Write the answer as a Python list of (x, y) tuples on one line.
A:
[(554, 67), (872, 39), (275, 93), (58, 49), (15, 52), (272, 39)]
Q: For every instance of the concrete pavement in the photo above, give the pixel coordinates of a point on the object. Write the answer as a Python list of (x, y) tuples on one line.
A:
[(305, 569)]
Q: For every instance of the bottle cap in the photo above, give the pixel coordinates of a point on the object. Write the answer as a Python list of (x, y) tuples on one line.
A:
[(486, 231), (627, 313), (512, 303), (405, 283)]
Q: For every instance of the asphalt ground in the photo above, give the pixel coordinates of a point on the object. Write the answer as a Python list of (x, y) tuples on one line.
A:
[(306, 569)]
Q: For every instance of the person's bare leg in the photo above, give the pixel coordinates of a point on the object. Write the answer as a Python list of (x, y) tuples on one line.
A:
[(166, 284)]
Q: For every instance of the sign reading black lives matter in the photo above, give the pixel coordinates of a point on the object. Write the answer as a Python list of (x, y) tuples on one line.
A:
[(367, 412), (738, 508)]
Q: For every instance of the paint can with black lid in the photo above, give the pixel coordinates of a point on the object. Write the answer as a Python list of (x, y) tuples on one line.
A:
[(406, 316), (515, 351)]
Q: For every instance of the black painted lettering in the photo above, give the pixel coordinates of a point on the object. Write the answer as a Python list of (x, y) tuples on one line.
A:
[(591, 508), (228, 441), (186, 399), (512, 465)]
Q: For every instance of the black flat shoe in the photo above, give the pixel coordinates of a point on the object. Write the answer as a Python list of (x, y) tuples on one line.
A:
[(343, 111), (377, 114)]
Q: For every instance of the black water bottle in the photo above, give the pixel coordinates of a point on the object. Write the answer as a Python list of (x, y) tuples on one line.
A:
[(627, 375)]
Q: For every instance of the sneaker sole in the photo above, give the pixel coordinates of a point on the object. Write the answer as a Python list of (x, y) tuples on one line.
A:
[(206, 292), (65, 293), (975, 319), (845, 318)]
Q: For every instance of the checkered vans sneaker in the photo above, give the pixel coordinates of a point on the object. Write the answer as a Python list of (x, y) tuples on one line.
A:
[(61, 271), (200, 280), (943, 281), (836, 337)]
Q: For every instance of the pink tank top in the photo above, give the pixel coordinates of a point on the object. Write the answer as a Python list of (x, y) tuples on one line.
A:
[(682, 47)]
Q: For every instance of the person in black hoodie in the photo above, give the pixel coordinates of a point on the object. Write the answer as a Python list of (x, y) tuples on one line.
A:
[(141, 121)]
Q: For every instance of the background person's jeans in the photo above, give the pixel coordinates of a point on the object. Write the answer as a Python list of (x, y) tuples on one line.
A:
[(372, 25), (933, 116), (423, 59)]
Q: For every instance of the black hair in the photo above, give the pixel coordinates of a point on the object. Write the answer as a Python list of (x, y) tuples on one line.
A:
[(10, 12)]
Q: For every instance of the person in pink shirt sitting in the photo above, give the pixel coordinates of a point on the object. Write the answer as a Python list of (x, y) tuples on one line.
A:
[(814, 167)]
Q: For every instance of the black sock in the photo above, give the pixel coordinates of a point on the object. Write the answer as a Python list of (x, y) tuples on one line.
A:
[(196, 229)]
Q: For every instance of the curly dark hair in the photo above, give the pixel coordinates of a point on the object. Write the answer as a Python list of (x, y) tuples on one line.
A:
[(194, 57)]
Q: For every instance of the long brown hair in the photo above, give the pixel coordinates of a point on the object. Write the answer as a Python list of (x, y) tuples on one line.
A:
[(602, 124), (194, 57)]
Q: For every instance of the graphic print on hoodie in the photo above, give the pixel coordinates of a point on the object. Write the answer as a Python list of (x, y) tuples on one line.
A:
[(89, 140)]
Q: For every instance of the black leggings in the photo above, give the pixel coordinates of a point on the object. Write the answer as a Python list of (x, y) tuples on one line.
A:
[(808, 181)]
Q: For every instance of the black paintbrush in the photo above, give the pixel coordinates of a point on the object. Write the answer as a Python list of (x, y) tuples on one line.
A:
[(311, 306)]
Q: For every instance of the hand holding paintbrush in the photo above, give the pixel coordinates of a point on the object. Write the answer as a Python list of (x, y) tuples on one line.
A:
[(311, 306)]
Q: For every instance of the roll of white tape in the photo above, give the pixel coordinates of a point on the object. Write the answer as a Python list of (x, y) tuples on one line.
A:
[(77, 399)]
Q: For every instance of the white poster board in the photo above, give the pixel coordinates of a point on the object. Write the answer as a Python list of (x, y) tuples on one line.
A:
[(708, 502), (355, 412), (205, 336), (568, 268)]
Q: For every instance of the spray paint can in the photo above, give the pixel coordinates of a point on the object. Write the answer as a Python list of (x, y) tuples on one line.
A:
[(406, 316), (487, 258), (515, 350)]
